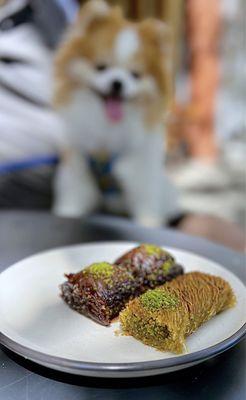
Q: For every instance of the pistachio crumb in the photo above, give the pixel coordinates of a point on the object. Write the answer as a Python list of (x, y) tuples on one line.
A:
[(167, 265), (157, 299), (101, 270), (152, 249)]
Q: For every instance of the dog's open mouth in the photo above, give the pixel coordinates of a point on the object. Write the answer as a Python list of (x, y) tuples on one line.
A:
[(114, 107)]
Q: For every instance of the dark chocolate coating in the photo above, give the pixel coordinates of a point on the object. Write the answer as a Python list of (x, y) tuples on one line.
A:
[(96, 298), (148, 269), (133, 274)]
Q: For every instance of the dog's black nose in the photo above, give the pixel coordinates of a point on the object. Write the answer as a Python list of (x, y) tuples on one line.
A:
[(117, 87)]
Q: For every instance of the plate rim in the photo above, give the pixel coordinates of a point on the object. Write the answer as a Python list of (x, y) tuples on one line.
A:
[(55, 362), (86, 366)]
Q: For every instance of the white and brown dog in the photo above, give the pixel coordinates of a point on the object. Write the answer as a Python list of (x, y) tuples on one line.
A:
[(112, 86)]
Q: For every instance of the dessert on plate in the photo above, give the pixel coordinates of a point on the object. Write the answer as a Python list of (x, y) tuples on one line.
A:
[(150, 265), (165, 316), (101, 290)]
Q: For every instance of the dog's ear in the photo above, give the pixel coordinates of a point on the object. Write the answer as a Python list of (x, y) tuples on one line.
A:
[(159, 33), (93, 11), (164, 36)]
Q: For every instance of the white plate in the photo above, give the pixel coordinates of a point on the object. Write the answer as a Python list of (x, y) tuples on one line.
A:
[(36, 323)]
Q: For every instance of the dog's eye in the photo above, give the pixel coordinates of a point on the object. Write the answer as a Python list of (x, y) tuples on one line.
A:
[(136, 74), (101, 67)]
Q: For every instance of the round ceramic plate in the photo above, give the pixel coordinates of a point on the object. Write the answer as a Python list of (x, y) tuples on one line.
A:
[(37, 324)]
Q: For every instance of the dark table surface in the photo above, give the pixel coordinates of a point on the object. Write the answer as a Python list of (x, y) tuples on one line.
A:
[(23, 234)]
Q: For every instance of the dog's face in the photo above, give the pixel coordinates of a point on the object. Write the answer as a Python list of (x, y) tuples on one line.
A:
[(117, 60)]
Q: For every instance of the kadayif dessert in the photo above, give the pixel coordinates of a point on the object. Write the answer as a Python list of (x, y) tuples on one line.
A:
[(164, 317)]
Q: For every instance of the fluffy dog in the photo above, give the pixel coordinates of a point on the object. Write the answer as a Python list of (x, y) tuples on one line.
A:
[(112, 85)]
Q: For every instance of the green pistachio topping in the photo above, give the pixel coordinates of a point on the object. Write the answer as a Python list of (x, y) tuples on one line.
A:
[(101, 270), (167, 265), (152, 250), (156, 299)]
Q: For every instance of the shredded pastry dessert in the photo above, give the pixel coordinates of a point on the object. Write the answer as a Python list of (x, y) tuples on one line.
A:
[(164, 317)]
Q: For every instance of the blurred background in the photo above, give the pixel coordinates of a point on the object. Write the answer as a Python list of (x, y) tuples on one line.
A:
[(207, 117)]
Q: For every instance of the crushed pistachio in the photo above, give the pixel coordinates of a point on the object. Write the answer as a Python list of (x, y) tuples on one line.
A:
[(101, 270), (167, 265), (152, 250), (157, 299)]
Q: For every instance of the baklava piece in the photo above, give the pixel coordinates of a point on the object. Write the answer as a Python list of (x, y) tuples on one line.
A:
[(150, 265)]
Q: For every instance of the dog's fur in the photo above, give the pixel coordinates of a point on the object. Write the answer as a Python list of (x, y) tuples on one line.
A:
[(124, 118)]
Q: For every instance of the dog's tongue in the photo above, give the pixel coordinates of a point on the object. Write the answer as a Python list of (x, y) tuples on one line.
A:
[(114, 109)]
